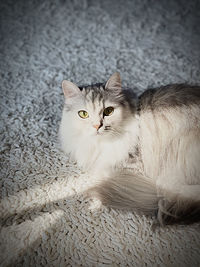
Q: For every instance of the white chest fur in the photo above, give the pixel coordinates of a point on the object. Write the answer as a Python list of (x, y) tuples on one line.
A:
[(100, 155)]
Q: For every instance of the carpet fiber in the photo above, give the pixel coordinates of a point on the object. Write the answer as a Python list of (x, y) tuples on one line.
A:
[(45, 218)]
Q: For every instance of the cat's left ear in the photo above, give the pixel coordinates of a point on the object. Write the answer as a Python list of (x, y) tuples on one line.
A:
[(70, 89), (114, 82)]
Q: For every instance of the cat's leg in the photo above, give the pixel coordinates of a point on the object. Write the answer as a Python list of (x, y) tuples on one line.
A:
[(179, 204), (190, 192), (170, 190)]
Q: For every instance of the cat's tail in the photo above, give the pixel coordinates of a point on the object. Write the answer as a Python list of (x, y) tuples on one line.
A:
[(128, 191)]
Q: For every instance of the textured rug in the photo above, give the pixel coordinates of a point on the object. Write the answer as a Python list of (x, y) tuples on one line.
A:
[(45, 218)]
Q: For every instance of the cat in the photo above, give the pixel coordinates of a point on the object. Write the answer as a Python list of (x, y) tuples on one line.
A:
[(145, 148)]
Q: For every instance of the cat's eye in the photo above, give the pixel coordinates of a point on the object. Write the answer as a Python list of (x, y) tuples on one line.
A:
[(83, 114), (108, 111)]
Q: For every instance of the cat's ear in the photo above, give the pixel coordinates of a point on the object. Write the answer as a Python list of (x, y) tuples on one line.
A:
[(114, 82), (70, 89)]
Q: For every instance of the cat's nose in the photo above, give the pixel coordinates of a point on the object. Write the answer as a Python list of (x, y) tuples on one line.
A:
[(97, 126)]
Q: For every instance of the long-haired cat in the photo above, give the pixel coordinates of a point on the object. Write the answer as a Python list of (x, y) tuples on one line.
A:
[(146, 148)]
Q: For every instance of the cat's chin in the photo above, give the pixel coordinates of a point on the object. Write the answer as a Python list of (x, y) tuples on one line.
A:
[(100, 135)]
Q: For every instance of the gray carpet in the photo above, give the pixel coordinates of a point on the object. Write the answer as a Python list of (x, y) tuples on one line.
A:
[(45, 218)]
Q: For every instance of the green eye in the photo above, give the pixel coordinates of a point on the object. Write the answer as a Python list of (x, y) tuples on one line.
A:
[(83, 114), (108, 111)]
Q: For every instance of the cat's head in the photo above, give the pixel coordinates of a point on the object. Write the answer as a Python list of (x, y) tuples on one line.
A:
[(99, 110)]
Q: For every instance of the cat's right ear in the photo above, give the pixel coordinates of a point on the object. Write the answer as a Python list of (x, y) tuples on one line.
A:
[(114, 82), (70, 89)]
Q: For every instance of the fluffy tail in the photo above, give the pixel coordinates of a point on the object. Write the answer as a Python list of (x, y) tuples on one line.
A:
[(125, 191), (134, 192)]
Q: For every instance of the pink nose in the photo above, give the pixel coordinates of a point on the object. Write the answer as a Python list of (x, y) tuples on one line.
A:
[(97, 126)]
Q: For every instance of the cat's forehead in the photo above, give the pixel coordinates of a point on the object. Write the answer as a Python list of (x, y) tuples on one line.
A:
[(97, 93), (95, 97), (94, 93)]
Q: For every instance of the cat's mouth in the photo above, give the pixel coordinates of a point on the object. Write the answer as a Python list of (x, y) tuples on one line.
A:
[(103, 131)]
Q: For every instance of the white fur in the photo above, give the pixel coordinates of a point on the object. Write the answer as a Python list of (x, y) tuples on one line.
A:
[(100, 154), (170, 148), (96, 152), (167, 139)]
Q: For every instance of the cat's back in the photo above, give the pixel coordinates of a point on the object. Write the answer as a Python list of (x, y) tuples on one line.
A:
[(174, 96)]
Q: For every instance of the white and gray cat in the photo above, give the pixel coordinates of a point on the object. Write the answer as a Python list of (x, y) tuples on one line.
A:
[(146, 149)]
